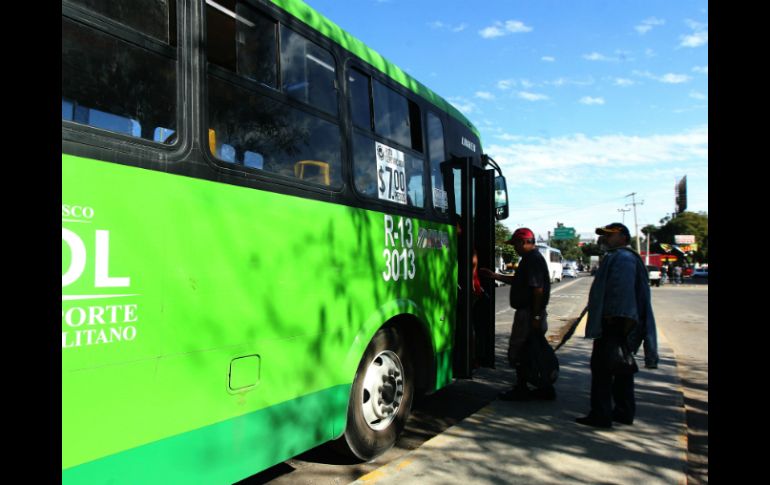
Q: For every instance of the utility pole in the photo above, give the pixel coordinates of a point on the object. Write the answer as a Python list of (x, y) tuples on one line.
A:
[(624, 214), (636, 226)]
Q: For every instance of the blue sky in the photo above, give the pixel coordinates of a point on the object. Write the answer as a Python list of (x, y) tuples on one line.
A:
[(581, 102)]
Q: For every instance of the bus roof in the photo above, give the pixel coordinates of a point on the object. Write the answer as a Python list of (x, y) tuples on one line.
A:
[(334, 32)]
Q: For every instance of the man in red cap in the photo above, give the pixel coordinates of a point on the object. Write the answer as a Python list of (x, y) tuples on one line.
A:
[(530, 292)]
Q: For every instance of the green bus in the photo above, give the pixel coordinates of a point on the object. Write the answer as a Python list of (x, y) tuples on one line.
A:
[(267, 236)]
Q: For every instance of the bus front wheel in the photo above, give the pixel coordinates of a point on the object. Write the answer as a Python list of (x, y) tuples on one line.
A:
[(381, 396)]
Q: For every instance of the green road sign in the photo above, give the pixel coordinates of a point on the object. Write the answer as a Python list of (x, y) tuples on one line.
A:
[(561, 233)]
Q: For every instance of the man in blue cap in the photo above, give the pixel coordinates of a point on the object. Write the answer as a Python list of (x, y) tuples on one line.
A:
[(619, 315)]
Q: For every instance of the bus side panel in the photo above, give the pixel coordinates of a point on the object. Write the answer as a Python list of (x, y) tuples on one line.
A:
[(171, 283)]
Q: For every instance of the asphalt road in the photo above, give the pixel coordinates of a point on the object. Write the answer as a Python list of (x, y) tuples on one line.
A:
[(681, 313)]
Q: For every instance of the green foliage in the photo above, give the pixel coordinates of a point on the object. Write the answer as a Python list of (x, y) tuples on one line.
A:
[(693, 223), (502, 234), (569, 248)]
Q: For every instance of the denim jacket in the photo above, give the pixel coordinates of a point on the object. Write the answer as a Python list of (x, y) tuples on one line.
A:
[(621, 288)]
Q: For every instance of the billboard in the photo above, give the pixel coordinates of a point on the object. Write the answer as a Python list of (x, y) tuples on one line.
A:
[(680, 194)]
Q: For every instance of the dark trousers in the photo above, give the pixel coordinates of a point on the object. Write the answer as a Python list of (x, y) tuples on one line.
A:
[(606, 387)]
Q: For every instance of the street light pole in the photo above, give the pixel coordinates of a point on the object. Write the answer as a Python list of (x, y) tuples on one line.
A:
[(636, 226), (624, 214)]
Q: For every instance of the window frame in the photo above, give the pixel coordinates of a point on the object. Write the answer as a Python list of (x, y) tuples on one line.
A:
[(441, 117), (79, 132), (374, 74), (276, 95)]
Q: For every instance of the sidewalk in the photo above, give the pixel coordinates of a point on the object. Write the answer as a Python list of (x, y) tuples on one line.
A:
[(539, 441)]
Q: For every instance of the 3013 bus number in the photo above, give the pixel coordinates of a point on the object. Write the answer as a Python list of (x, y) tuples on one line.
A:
[(398, 252)]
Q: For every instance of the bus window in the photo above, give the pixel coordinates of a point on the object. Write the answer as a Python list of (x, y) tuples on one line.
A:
[(399, 181), (277, 135), (104, 82), (396, 118), (155, 18), (414, 181), (242, 41), (358, 94), (436, 152), (307, 72)]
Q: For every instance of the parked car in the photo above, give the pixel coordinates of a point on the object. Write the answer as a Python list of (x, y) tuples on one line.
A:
[(701, 274), (654, 273), (568, 270)]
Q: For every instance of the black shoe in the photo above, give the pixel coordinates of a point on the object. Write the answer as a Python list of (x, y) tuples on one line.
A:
[(618, 419), (651, 365), (592, 421), (544, 393), (516, 394)]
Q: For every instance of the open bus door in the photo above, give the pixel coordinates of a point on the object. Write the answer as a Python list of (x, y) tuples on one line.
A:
[(474, 200)]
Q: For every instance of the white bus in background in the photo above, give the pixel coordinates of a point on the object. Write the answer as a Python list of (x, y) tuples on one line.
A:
[(554, 259)]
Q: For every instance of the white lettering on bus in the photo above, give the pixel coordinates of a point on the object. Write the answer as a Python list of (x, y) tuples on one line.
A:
[(77, 211), (77, 316), (92, 336), (468, 144), (395, 257), (101, 259)]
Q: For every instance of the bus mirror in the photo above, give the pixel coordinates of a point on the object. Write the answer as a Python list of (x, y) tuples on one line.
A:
[(501, 198)]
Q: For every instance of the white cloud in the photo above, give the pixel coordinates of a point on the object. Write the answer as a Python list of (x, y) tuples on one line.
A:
[(564, 81), (532, 96), (669, 78), (674, 78), (699, 37), (465, 106), (647, 24), (499, 29), (623, 82), (527, 160), (516, 26), (439, 25), (506, 84), (548, 59), (620, 56), (701, 69), (698, 96), (591, 101), (491, 32), (595, 56), (485, 95)]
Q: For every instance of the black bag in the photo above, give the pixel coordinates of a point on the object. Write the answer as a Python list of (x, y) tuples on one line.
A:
[(541, 362), (622, 361)]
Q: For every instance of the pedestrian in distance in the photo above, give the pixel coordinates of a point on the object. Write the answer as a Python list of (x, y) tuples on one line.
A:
[(678, 274), (619, 318), (529, 295)]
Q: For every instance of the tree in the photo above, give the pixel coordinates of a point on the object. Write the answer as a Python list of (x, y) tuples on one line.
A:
[(503, 234), (569, 248), (696, 224)]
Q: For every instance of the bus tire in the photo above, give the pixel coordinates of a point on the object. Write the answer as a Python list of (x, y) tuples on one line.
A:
[(381, 396)]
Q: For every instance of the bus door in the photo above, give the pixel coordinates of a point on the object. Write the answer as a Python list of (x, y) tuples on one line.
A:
[(470, 194)]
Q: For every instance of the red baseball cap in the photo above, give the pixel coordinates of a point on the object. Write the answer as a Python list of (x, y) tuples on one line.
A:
[(521, 233)]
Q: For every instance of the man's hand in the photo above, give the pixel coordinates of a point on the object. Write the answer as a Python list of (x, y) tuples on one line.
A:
[(487, 273)]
